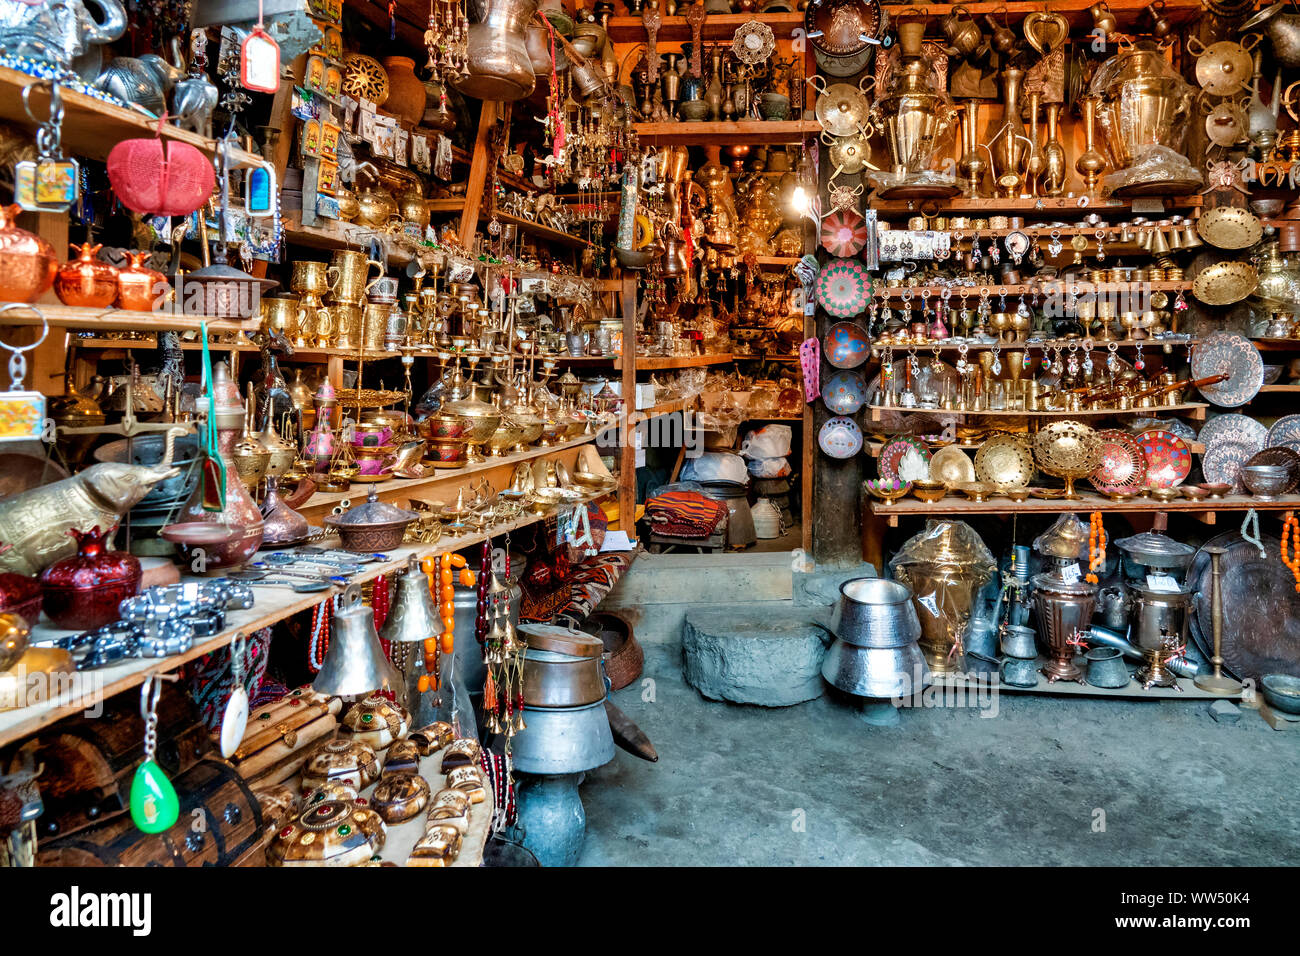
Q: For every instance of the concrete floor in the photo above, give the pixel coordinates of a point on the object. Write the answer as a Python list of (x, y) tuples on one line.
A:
[(1046, 781)]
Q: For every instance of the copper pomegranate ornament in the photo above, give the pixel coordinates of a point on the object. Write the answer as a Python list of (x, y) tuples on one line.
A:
[(27, 262), (85, 280), (83, 592), (140, 288)]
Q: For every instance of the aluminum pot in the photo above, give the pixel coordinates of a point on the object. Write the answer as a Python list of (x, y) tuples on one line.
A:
[(563, 740), (875, 612), (1018, 642), (499, 65), (885, 672), (1019, 673), (562, 680), (1106, 668)]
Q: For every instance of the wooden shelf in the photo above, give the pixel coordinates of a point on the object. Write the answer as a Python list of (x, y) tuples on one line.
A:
[(1041, 206), (777, 263), (439, 207), (124, 320), (1279, 387), (91, 127), (958, 506), (717, 26), (1194, 410), (873, 447), (336, 235), (658, 363), (539, 231), (299, 354), (752, 132), (1130, 18), (661, 409)]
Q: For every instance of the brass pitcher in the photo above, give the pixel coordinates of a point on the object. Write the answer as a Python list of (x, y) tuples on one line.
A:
[(345, 323), (313, 278), (353, 276), (283, 314), (1010, 147)]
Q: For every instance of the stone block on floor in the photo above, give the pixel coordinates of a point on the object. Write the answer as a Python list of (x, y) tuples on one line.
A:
[(762, 656), (820, 587)]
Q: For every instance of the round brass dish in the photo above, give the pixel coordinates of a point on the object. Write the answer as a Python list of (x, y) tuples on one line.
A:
[(1194, 493), (1225, 283), (1005, 460), (1229, 227), (1215, 489), (1016, 493), (929, 490), (1164, 494), (978, 490), (952, 466), (1047, 494)]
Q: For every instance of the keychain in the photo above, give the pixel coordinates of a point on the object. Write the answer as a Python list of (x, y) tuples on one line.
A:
[(1138, 362), (235, 719), (22, 413), (259, 59), (51, 182), (154, 804)]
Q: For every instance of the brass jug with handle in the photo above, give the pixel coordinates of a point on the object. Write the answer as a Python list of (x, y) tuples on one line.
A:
[(353, 275)]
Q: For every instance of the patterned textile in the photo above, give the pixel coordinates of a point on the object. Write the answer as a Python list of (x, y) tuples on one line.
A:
[(210, 677), (587, 586), (684, 514)]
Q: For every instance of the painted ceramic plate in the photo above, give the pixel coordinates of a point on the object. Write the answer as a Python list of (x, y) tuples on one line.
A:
[(1167, 457), (847, 345), (905, 458), (843, 288), (844, 233), (1123, 466), (952, 466), (1235, 356), (1285, 433), (1006, 461), (844, 393), (840, 437)]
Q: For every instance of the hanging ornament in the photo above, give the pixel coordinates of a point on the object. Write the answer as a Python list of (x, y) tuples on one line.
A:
[(154, 804), (234, 721), (259, 59), (1291, 529)]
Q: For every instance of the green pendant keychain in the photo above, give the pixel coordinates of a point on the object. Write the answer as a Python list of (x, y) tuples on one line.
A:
[(154, 804)]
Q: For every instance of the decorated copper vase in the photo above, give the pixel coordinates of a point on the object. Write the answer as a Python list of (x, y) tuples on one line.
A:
[(85, 280), (27, 262), (140, 288), (83, 592)]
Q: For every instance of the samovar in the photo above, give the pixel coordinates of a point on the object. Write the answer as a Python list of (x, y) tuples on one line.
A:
[(913, 116), (1158, 628), (1063, 610), (945, 565), (1142, 102)]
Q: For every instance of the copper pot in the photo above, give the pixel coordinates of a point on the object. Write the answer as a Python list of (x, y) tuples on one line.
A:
[(85, 280), (27, 262), (139, 288)]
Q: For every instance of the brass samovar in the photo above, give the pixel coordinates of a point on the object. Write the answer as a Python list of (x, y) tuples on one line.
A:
[(913, 116), (1142, 102)]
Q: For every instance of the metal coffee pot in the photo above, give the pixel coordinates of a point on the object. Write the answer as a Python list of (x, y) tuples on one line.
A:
[(497, 52)]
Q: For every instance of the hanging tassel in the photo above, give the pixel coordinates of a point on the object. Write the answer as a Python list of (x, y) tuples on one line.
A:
[(392, 21)]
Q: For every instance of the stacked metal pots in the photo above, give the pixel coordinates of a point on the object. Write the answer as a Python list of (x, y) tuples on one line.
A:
[(565, 727), (875, 653)]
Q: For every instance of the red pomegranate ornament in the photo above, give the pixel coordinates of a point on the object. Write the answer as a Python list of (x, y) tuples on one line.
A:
[(83, 592)]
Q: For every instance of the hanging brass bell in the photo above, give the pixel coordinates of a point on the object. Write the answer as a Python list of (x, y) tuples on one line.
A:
[(413, 616), (1175, 238), (1191, 240), (1159, 244), (355, 662)]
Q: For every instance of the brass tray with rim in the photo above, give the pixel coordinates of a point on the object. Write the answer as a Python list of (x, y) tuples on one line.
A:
[(1005, 461)]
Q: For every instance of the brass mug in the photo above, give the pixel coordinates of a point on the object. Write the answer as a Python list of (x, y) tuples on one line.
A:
[(345, 325), (283, 314), (354, 275), (374, 325), (312, 278)]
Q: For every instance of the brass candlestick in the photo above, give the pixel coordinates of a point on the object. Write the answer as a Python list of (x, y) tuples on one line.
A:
[(1216, 682)]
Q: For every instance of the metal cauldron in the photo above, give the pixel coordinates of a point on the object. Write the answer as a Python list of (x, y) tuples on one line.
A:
[(552, 679), (887, 672), (563, 740), (875, 612)]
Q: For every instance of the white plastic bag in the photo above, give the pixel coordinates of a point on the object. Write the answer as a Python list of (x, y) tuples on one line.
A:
[(769, 467), (770, 441), (715, 466)]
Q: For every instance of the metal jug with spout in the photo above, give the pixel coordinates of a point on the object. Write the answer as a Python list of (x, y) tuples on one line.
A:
[(497, 52)]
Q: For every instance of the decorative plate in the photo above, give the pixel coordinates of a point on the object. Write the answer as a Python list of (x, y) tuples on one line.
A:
[(1123, 466), (1066, 449), (905, 458), (840, 437), (847, 345), (1005, 460), (1236, 355), (1225, 283), (952, 466), (843, 288), (844, 233), (841, 109), (844, 393), (1285, 433), (1168, 458), (1229, 227), (1234, 426), (1285, 457), (365, 77)]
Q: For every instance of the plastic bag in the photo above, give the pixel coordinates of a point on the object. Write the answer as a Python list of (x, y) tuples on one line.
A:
[(1154, 164), (945, 565), (770, 441), (716, 466), (769, 468)]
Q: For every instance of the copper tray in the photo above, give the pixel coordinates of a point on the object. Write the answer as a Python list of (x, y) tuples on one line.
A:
[(1261, 609)]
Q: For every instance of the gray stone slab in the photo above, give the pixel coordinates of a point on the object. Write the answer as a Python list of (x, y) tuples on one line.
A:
[(764, 656), (822, 586)]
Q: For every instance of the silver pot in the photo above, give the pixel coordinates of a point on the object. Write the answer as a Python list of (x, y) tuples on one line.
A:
[(497, 53), (886, 672), (1018, 642), (875, 612), (552, 679), (563, 740), (1157, 614)]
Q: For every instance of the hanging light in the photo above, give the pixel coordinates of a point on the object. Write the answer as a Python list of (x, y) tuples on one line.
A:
[(805, 184)]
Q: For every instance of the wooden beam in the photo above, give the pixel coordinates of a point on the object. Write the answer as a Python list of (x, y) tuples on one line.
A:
[(479, 167), (627, 451)]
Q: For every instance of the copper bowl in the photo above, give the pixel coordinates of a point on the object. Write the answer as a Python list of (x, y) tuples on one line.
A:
[(1216, 489), (381, 536)]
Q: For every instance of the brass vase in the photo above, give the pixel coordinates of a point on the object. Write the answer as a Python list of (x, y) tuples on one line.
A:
[(1090, 162), (972, 164), (1053, 153), (1010, 146)]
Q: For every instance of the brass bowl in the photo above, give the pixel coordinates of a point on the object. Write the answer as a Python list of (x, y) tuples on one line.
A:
[(1121, 495), (930, 491), (886, 489), (1215, 489), (1165, 494), (1016, 492), (1194, 493), (505, 437), (978, 490)]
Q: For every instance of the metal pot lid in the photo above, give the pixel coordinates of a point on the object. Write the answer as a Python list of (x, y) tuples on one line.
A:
[(373, 512), (1155, 550), (561, 640)]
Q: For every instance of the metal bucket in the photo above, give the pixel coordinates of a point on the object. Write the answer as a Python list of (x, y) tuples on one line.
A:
[(563, 740), (552, 679), (885, 672), (875, 612)]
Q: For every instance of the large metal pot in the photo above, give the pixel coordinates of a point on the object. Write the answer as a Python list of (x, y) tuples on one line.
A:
[(875, 612), (886, 672), (499, 65), (562, 668), (563, 740)]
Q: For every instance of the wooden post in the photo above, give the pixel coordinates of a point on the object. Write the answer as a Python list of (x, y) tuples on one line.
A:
[(479, 166), (627, 450)]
